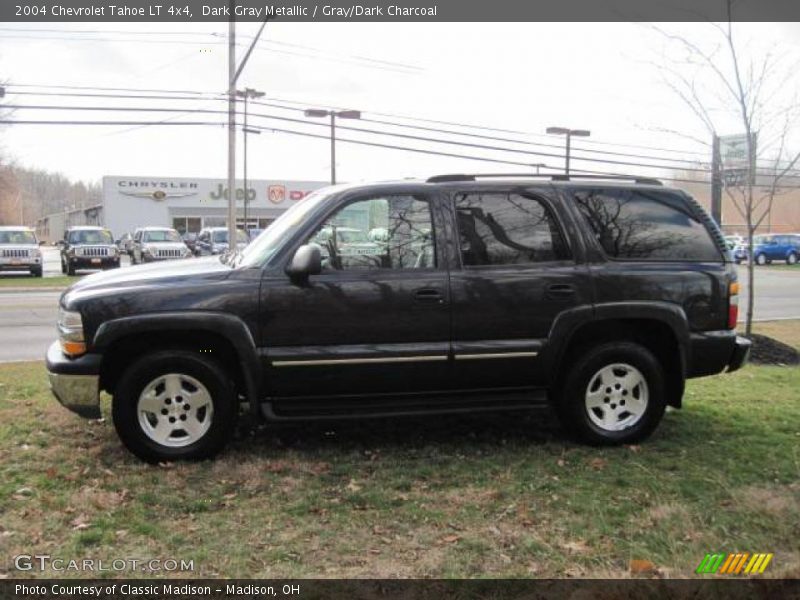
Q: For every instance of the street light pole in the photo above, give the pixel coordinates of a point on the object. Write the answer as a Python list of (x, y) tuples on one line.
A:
[(333, 148), (247, 93), (569, 133), (342, 114)]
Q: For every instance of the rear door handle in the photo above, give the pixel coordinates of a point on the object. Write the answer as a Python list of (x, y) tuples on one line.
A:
[(428, 296), (561, 290)]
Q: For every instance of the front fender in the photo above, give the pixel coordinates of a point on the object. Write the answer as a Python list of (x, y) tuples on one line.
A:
[(231, 327)]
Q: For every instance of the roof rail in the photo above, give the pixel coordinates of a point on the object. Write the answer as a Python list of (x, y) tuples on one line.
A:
[(552, 177)]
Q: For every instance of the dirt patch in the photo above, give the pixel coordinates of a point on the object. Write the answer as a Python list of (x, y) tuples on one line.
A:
[(769, 351)]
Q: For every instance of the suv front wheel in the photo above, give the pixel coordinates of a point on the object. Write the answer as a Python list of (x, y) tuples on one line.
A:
[(173, 405), (613, 395)]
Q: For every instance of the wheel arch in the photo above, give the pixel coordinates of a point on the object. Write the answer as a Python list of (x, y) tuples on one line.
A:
[(225, 337), (660, 327)]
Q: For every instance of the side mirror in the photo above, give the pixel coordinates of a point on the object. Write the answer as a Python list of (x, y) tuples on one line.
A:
[(41, 242), (307, 260)]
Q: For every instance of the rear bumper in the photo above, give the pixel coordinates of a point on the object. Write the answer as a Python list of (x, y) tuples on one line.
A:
[(75, 382), (716, 351), (741, 354)]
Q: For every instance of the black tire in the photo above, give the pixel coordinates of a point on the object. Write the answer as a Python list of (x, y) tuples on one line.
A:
[(36, 272), (70, 269), (571, 404), (761, 259), (147, 369), (791, 259), (63, 266)]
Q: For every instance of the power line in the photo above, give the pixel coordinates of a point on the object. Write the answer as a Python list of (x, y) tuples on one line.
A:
[(326, 137), (770, 171), (363, 130)]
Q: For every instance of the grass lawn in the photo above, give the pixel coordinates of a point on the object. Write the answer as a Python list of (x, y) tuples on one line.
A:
[(28, 281), (502, 496)]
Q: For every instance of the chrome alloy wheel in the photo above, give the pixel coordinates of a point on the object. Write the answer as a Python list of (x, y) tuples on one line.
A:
[(616, 397), (175, 410)]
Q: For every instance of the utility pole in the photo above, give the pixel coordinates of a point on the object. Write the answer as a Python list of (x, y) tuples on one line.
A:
[(716, 181), (233, 76), (232, 130), (342, 114), (569, 133)]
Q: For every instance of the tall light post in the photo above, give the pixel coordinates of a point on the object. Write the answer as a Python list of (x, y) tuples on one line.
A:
[(569, 133), (247, 93), (319, 113)]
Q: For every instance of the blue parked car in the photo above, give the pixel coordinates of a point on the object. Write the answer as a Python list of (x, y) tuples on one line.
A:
[(767, 248)]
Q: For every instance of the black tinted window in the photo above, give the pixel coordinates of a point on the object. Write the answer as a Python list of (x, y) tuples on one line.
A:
[(632, 224), (507, 229), (393, 232)]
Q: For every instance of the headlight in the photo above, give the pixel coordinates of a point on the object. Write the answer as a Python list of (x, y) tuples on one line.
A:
[(70, 332), (112, 251), (148, 249)]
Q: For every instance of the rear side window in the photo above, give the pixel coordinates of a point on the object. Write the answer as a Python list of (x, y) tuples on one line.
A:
[(507, 229), (644, 225)]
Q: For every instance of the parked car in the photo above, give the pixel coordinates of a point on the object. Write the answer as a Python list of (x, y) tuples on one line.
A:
[(767, 248), (152, 244), (19, 250), (190, 239), (253, 233), (125, 244), (88, 247), (599, 296), (214, 240), (732, 241)]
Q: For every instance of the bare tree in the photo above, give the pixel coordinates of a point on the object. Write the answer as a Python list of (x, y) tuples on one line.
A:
[(720, 80)]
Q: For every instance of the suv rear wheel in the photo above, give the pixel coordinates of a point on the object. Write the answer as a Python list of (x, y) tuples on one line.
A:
[(613, 395), (173, 405), (791, 259)]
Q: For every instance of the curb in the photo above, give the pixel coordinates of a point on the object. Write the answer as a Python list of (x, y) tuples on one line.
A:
[(40, 288)]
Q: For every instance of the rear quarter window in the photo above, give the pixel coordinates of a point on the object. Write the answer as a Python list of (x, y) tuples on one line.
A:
[(645, 225)]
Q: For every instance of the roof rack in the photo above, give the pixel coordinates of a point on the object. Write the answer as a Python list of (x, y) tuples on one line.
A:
[(552, 177)]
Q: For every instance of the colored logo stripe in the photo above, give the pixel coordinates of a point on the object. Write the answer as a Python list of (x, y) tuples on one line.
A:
[(734, 564)]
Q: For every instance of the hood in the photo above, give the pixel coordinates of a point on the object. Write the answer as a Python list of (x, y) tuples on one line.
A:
[(18, 246), (151, 274)]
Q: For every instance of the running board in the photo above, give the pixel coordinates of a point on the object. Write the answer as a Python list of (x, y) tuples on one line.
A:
[(316, 408)]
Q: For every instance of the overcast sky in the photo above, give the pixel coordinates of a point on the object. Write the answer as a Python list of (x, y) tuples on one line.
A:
[(523, 76)]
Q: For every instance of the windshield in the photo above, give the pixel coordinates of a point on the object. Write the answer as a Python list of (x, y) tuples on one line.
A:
[(265, 245), (17, 237), (163, 235), (90, 236), (221, 237)]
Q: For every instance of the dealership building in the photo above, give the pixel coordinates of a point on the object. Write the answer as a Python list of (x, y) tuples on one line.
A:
[(187, 204)]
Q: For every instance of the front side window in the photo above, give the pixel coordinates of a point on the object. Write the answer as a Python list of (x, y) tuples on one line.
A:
[(645, 225), (507, 229), (392, 232)]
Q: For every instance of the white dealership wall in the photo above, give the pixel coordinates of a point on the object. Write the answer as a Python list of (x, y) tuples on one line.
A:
[(135, 201)]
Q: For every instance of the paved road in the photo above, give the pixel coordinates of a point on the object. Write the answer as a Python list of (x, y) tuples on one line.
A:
[(27, 319)]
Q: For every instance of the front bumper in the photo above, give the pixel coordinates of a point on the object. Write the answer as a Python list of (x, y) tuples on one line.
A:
[(75, 382), (15, 264), (87, 262)]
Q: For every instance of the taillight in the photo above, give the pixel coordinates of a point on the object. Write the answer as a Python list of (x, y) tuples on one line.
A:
[(733, 304)]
